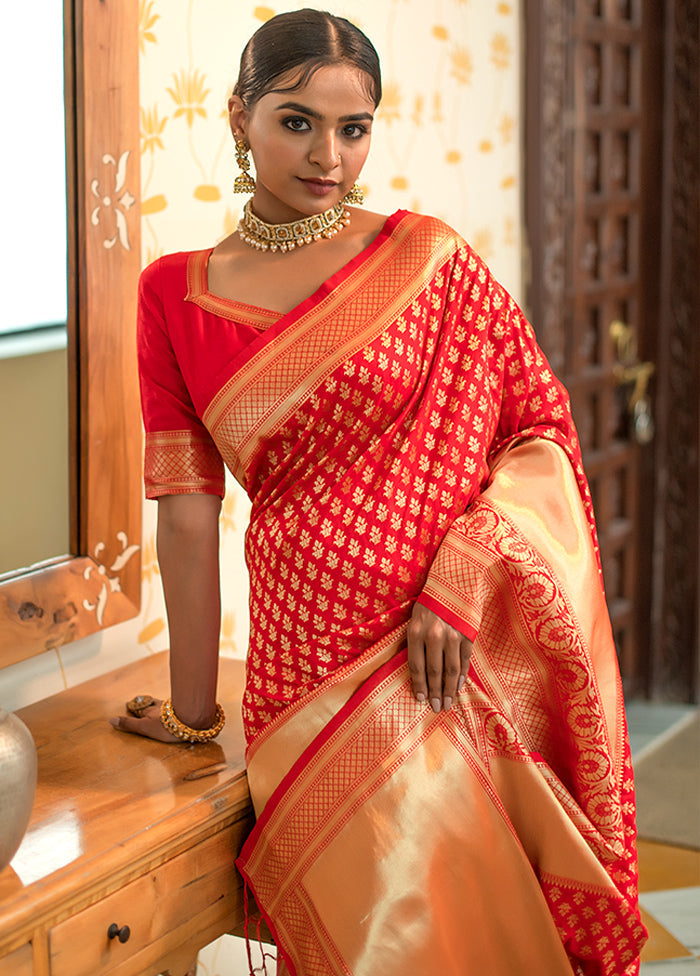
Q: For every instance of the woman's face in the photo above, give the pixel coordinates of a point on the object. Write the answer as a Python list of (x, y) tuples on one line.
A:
[(308, 145)]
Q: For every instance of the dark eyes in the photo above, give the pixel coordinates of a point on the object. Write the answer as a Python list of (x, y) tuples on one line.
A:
[(297, 123), (354, 130)]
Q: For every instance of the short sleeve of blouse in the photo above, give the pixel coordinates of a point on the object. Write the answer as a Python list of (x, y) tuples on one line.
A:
[(180, 455)]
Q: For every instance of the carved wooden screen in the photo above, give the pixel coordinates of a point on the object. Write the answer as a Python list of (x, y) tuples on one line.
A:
[(584, 221), (605, 195)]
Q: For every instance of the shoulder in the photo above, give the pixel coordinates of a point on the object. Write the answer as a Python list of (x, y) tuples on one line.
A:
[(432, 230), (163, 287), (447, 245), (168, 268), (438, 242)]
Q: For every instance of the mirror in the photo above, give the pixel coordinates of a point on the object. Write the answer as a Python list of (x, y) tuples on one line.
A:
[(33, 338), (98, 584)]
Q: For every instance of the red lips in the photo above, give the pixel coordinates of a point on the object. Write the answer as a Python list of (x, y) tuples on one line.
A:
[(319, 187)]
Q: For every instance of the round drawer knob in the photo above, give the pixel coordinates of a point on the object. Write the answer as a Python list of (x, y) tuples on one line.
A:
[(123, 933)]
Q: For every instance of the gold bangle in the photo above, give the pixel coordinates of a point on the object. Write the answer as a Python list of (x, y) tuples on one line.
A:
[(173, 724)]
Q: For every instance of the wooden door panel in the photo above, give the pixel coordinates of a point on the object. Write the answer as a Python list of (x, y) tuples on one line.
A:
[(612, 163), (604, 166), (596, 48)]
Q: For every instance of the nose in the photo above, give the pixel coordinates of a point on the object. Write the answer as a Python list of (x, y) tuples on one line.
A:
[(324, 152)]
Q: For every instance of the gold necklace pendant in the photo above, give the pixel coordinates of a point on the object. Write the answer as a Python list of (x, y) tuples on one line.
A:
[(285, 237)]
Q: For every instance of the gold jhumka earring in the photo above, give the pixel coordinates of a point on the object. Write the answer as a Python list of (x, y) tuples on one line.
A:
[(355, 195), (244, 182)]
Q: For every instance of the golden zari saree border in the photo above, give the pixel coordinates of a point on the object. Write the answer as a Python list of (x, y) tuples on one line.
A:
[(268, 388), (180, 462), (497, 837)]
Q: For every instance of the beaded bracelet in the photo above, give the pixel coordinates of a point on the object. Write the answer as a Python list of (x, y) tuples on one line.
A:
[(173, 724)]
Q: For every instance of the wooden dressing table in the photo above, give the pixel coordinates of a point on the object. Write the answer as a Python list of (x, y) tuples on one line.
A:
[(126, 868)]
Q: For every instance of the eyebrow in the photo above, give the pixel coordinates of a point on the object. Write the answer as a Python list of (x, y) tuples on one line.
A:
[(298, 107)]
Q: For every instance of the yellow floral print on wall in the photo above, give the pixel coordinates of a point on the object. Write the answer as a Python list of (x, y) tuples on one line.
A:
[(461, 65), (390, 105), (151, 631), (147, 20), (506, 127), (153, 205), (189, 94), (417, 114), (151, 129), (500, 52), (482, 241)]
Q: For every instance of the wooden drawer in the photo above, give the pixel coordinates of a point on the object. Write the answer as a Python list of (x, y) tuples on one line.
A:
[(193, 893), (17, 963)]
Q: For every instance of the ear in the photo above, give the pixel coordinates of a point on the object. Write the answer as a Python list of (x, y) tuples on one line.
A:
[(237, 117)]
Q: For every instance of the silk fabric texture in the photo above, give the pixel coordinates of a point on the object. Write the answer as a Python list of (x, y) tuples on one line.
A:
[(402, 438)]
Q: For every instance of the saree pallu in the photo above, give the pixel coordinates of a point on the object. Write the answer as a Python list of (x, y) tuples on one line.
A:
[(402, 438), (494, 838)]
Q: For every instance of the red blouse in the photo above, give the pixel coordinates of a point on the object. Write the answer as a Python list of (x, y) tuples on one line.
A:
[(187, 340)]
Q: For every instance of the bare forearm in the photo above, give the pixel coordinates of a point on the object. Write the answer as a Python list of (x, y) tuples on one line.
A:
[(188, 554)]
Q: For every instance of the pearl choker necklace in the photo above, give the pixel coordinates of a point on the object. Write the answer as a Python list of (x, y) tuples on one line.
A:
[(285, 237)]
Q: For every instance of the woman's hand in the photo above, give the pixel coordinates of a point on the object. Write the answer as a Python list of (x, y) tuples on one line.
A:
[(148, 723), (188, 554), (438, 658)]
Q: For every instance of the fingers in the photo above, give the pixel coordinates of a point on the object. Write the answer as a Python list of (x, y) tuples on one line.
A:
[(416, 654), (438, 658), (465, 652), (148, 725), (451, 667), (126, 723)]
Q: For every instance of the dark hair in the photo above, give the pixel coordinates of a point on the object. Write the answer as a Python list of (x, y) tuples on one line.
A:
[(310, 39)]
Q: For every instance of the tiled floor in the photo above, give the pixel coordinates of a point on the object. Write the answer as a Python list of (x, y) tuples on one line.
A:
[(669, 877)]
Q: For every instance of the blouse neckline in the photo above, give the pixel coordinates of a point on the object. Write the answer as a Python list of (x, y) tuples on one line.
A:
[(254, 315)]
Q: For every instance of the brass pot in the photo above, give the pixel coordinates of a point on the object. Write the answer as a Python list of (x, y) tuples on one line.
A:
[(18, 768)]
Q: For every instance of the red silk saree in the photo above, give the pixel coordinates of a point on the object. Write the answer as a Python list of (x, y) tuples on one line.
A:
[(402, 438)]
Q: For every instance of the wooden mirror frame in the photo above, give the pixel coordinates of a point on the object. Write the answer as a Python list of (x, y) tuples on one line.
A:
[(99, 583)]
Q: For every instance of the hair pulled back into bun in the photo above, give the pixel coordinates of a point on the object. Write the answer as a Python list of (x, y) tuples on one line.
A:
[(308, 40)]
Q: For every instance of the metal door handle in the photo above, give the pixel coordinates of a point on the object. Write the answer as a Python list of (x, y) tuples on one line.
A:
[(629, 371), (638, 374)]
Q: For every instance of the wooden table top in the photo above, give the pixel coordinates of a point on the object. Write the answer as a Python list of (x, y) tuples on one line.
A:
[(111, 805)]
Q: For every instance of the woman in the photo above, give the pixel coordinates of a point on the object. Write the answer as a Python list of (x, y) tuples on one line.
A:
[(436, 743)]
